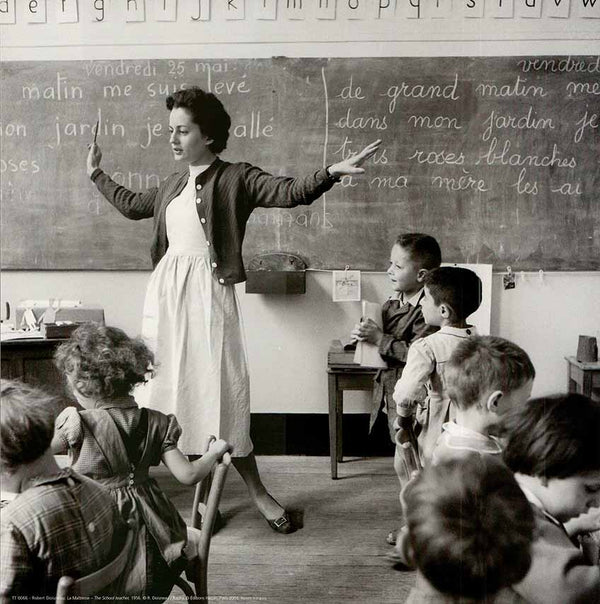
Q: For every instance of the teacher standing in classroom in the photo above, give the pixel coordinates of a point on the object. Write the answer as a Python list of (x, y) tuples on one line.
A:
[(191, 312)]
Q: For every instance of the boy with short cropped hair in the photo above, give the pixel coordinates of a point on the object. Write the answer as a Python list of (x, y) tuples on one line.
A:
[(552, 446), (411, 257), (470, 531), (484, 377), (450, 295), (60, 523)]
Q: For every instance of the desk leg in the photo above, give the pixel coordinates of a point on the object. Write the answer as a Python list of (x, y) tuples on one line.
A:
[(339, 422), (586, 387), (333, 424)]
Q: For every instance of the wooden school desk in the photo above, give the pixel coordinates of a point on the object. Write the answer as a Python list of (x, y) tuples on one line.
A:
[(582, 377), (342, 376)]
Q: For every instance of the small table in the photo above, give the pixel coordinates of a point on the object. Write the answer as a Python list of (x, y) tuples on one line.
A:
[(343, 377), (582, 377)]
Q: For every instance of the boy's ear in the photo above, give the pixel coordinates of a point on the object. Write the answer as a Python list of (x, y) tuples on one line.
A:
[(446, 311), (493, 401), (421, 274)]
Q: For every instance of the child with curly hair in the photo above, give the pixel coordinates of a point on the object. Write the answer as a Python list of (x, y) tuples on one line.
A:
[(115, 442)]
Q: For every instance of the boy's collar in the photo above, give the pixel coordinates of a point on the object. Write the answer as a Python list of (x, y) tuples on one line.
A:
[(536, 501), (462, 332), (413, 300)]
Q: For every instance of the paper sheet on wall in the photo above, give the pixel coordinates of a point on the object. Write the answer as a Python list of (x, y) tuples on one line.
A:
[(482, 317), (367, 355)]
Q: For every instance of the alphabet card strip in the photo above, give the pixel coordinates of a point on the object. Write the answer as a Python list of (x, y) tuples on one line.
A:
[(135, 11), (36, 11), (67, 11), (353, 9), (472, 9), (439, 9), (165, 10), (7, 12), (588, 9), (196, 10), (325, 9), (266, 9), (235, 10), (411, 9), (502, 9), (98, 11), (386, 9), (529, 9), (294, 9), (558, 9)]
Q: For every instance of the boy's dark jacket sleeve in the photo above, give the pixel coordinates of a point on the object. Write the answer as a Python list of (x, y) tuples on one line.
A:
[(394, 347)]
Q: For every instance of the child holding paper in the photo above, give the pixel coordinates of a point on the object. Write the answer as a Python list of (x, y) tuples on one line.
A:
[(411, 257)]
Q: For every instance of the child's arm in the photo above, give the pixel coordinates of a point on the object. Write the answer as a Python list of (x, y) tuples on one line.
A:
[(396, 345), (410, 388), (559, 572), (191, 472)]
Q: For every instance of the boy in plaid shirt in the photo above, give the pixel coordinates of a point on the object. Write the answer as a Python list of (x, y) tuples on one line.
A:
[(59, 523)]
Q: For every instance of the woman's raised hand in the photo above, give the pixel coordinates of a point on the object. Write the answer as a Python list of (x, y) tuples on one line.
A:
[(352, 165), (93, 158)]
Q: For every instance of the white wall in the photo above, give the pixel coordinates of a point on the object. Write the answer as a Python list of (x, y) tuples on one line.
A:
[(288, 336)]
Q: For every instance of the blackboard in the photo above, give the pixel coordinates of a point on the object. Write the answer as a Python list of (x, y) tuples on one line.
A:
[(497, 157)]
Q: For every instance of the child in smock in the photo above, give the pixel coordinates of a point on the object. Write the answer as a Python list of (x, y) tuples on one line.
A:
[(115, 442)]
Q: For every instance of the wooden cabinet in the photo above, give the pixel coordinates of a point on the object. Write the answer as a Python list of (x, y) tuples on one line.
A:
[(32, 361)]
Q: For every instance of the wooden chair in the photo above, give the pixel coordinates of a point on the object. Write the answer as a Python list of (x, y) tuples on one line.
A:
[(204, 513), (98, 582)]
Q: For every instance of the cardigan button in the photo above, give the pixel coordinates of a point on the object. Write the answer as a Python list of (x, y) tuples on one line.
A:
[(208, 243), (199, 200), (198, 187), (203, 220), (214, 265), (221, 280)]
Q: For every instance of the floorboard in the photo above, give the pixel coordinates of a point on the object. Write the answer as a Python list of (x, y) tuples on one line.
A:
[(337, 556)]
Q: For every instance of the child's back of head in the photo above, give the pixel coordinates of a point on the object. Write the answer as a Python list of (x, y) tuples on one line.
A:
[(26, 424), (103, 362), (457, 288), (483, 366), (424, 250), (470, 527)]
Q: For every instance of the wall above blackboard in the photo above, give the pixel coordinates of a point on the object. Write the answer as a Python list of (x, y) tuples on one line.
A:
[(497, 157)]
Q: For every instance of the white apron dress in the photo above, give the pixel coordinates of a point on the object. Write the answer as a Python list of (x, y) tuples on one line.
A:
[(193, 325)]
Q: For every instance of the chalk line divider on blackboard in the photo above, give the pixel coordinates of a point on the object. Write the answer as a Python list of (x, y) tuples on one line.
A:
[(326, 141)]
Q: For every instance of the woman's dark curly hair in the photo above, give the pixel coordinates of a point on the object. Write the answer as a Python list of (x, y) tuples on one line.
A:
[(207, 111), (104, 362)]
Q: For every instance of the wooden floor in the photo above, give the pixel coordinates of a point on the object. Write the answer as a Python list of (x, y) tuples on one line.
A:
[(338, 555)]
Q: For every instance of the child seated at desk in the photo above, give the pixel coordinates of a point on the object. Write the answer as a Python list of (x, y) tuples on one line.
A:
[(484, 377), (471, 530), (411, 257), (552, 447), (116, 443), (57, 522)]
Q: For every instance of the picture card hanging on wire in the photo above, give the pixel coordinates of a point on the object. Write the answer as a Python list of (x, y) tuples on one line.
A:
[(346, 285)]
